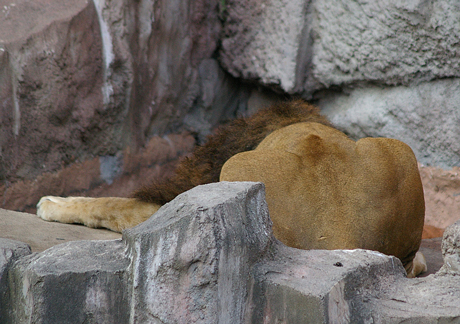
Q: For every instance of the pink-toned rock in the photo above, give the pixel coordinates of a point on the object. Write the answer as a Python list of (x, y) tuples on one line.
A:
[(51, 78), (156, 160), (442, 195), (84, 85)]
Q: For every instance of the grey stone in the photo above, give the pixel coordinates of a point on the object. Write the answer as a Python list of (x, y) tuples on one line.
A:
[(220, 98), (75, 282), (425, 116), (209, 256), (304, 46), (262, 40), (10, 251), (287, 289), (434, 299), (389, 42), (451, 250), (40, 235), (192, 261)]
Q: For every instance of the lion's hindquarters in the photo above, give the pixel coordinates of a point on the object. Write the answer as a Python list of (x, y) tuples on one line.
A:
[(113, 213), (327, 192)]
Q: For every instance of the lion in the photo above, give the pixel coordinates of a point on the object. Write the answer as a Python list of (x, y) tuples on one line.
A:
[(323, 190)]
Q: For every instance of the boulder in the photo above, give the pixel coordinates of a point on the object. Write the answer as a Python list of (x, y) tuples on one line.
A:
[(195, 256), (209, 256), (305, 46), (10, 251), (424, 116), (83, 282), (451, 250)]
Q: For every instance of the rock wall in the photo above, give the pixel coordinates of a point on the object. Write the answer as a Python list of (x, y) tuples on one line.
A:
[(387, 69), (93, 82), (85, 82), (375, 69), (209, 256)]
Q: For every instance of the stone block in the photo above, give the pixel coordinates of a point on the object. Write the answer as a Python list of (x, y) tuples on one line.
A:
[(192, 261), (451, 250), (424, 116), (10, 251), (389, 43), (209, 256), (433, 299), (304, 46), (320, 286), (75, 282), (262, 41)]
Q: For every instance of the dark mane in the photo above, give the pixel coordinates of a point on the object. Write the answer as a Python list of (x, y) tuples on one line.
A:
[(243, 134)]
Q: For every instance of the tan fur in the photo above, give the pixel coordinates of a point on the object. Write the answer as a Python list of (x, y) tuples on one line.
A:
[(113, 213), (325, 191)]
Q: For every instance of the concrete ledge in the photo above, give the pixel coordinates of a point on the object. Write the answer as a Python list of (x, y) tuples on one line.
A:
[(42, 235)]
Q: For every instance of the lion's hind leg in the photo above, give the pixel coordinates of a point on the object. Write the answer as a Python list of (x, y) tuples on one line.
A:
[(113, 213), (416, 266)]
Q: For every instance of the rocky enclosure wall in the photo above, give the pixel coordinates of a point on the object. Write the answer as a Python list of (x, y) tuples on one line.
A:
[(91, 85), (209, 256)]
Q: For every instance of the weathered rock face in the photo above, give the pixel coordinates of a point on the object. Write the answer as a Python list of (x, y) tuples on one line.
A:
[(388, 69), (424, 116), (10, 251), (51, 79), (304, 46), (49, 285), (196, 267), (451, 250), (81, 80), (209, 256)]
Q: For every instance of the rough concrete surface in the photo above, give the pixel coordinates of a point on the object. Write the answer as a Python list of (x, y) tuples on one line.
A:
[(451, 250), (389, 42), (86, 79), (209, 256)]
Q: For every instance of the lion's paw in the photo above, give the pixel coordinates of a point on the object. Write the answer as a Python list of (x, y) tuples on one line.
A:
[(48, 208)]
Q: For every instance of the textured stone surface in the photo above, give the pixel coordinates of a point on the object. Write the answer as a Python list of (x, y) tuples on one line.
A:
[(40, 235), (10, 251), (52, 78), (76, 282), (262, 41), (433, 299), (451, 250), (286, 290), (193, 259), (209, 256), (131, 170), (87, 79), (389, 42), (425, 116), (304, 46)]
